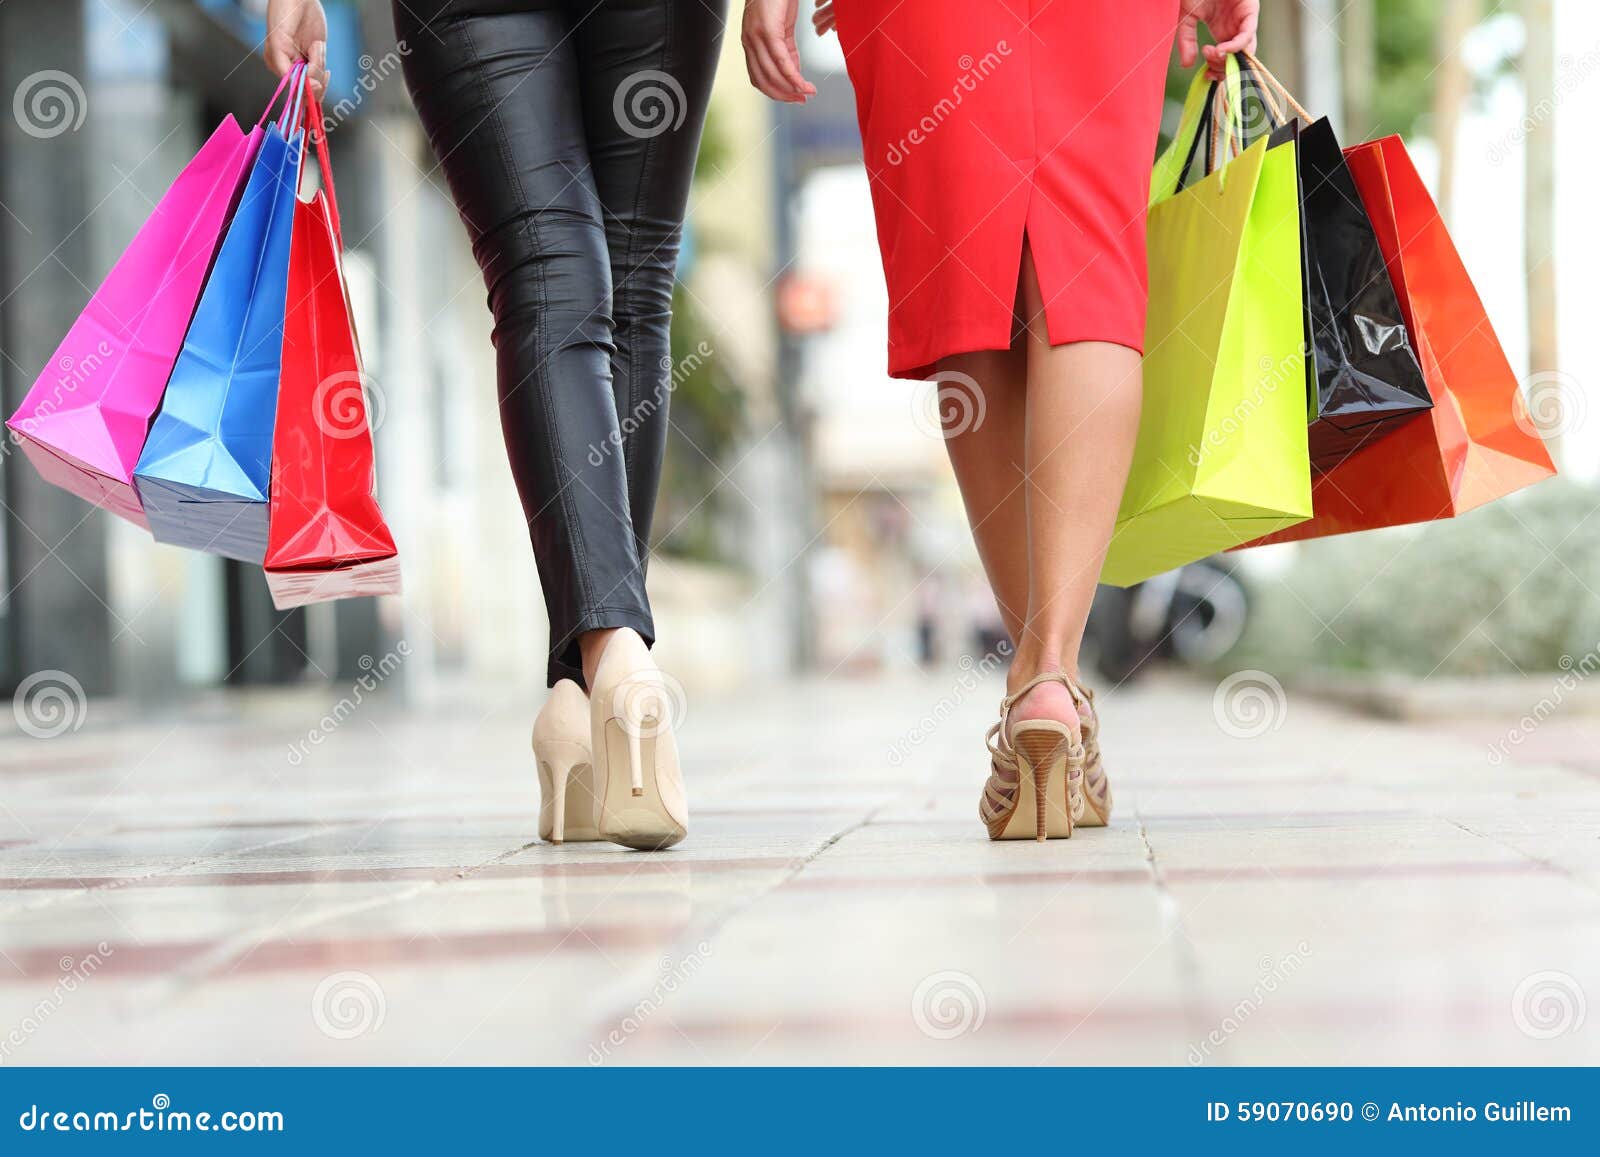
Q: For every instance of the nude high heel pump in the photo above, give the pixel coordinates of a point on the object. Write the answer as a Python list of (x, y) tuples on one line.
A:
[(568, 795), (631, 707)]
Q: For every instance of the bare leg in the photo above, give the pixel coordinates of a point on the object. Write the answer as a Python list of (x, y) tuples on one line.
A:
[(988, 459), (1083, 419)]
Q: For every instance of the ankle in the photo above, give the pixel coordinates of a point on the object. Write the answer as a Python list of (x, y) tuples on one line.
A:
[(1030, 663), (591, 645)]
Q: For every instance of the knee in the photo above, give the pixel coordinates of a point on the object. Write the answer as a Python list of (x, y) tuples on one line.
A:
[(550, 278), (644, 267)]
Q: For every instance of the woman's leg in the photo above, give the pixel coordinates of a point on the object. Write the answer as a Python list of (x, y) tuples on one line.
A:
[(646, 69), (988, 461), (499, 93), (1083, 420)]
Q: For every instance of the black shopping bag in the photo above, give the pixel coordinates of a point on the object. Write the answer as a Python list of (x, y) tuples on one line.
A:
[(1364, 378)]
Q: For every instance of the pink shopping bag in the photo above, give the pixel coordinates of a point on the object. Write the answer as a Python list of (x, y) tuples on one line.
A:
[(84, 421)]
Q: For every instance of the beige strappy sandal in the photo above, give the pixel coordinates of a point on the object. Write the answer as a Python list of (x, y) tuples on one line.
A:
[(1096, 785), (1046, 796)]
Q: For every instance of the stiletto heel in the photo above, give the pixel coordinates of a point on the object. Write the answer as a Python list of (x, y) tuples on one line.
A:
[(561, 754), (631, 728), (1045, 753)]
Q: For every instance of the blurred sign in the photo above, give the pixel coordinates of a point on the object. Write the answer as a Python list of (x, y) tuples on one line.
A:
[(806, 304)]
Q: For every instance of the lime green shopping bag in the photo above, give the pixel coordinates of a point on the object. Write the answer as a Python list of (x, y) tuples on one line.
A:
[(1222, 454)]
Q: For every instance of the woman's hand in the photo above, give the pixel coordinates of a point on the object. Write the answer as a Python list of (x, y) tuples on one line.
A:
[(1232, 24), (770, 54), (822, 18), (298, 30)]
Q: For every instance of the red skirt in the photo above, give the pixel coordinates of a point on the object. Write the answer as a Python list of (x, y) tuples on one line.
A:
[(984, 123)]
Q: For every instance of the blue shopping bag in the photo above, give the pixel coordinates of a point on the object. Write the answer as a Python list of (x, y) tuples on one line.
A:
[(204, 475)]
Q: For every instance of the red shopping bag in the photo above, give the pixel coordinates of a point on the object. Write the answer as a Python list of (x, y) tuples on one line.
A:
[(326, 537), (1478, 442)]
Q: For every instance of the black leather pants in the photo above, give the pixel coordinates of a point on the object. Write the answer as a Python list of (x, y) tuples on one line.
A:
[(567, 130)]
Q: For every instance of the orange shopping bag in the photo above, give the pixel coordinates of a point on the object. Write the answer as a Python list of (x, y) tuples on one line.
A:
[(1478, 442)]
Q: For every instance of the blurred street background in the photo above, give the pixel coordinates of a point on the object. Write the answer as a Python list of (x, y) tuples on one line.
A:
[(809, 538), (807, 502)]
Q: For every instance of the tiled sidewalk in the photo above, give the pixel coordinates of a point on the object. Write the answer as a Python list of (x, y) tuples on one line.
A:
[(1333, 890)]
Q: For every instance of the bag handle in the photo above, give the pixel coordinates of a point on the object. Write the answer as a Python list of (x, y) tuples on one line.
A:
[(1214, 113), (292, 77), (1273, 84), (294, 110), (317, 134), (1255, 80), (1170, 166)]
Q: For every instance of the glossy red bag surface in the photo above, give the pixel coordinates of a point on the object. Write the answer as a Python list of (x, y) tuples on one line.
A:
[(326, 536), (1478, 443)]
